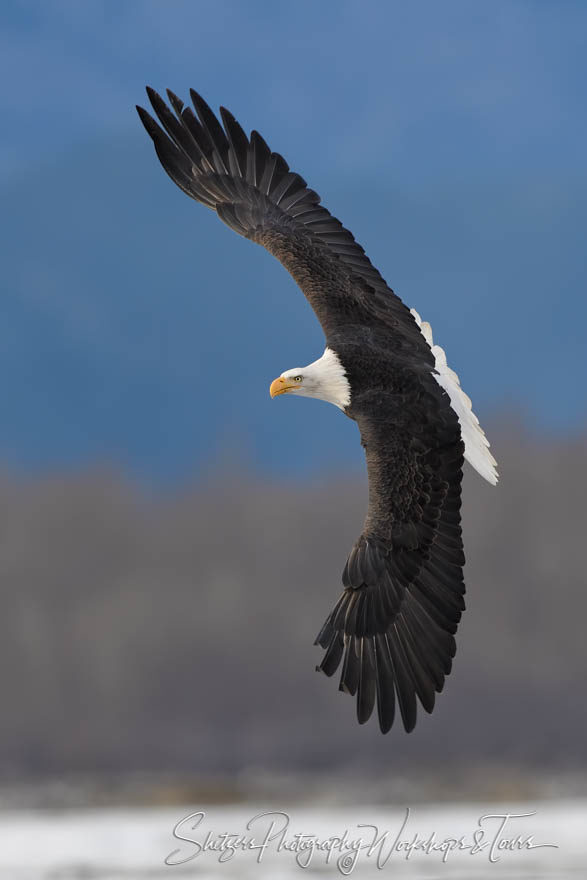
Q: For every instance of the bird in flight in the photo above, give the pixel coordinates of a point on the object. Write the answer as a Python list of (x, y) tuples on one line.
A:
[(393, 626)]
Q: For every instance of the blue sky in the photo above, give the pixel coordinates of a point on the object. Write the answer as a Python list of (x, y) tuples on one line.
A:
[(449, 136), (443, 83)]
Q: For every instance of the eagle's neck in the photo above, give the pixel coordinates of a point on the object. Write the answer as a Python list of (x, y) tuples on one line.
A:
[(331, 383)]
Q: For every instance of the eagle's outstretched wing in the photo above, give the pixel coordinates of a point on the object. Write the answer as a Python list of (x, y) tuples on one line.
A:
[(393, 626), (253, 191)]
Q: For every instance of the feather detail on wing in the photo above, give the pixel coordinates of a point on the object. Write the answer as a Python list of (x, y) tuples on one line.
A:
[(394, 624), (248, 185)]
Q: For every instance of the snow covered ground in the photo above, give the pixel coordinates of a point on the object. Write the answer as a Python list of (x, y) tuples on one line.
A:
[(468, 841)]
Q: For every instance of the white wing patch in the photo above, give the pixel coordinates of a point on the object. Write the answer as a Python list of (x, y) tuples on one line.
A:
[(476, 443)]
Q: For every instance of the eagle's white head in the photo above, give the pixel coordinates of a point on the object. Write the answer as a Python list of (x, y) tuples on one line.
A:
[(324, 379)]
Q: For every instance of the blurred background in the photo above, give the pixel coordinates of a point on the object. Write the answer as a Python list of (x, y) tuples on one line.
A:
[(171, 539)]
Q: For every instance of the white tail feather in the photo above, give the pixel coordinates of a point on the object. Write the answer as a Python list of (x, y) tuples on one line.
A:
[(476, 443)]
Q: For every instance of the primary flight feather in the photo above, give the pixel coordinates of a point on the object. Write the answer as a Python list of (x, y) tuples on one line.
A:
[(393, 626)]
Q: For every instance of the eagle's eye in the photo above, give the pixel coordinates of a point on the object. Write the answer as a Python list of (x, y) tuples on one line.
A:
[(297, 378)]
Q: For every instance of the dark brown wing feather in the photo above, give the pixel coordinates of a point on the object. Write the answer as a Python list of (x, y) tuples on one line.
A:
[(393, 627), (253, 191)]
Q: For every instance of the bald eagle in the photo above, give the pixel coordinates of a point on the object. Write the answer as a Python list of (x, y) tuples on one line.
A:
[(393, 626)]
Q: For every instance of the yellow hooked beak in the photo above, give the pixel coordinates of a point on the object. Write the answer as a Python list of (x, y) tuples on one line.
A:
[(281, 386)]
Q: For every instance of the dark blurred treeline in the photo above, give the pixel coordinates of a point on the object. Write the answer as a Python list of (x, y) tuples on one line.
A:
[(143, 631)]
